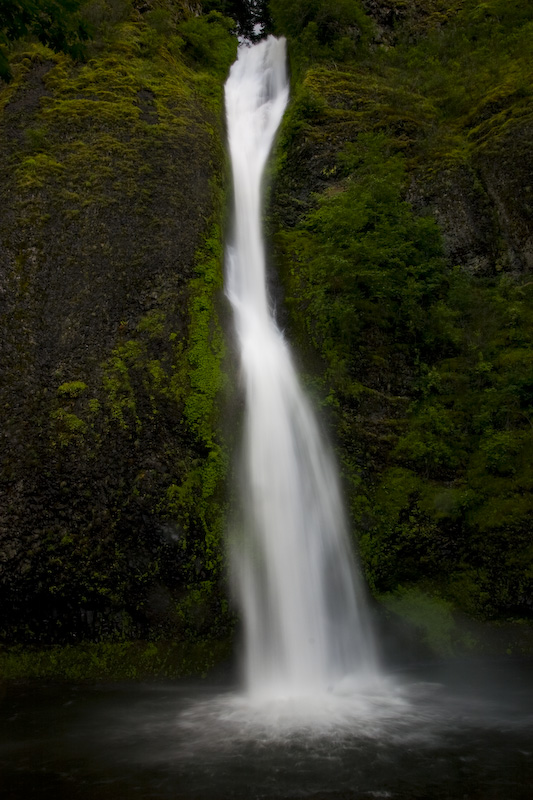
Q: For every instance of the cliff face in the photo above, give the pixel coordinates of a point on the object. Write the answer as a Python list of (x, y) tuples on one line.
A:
[(112, 178), (402, 224)]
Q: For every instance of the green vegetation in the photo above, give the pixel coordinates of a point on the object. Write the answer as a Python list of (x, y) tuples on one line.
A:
[(113, 661), (207, 43), (199, 503), (371, 265), (320, 29), (430, 616), (55, 23), (112, 191), (71, 389), (418, 335), (400, 216)]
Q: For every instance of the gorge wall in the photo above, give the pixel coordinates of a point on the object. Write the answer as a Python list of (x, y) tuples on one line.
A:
[(402, 223), (400, 220)]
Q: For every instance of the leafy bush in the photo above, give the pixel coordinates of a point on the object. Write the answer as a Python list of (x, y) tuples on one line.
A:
[(208, 41), (55, 23), (370, 263), (322, 28)]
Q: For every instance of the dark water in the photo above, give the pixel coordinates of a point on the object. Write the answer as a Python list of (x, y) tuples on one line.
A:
[(439, 731)]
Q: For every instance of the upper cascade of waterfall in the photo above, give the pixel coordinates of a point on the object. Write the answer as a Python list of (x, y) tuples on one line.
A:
[(256, 96), (293, 570)]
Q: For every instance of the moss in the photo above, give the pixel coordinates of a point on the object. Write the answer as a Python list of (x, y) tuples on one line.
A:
[(71, 389), (35, 171), (153, 323), (81, 153), (321, 30), (202, 493), (206, 348), (69, 428), (117, 383), (94, 406), (113, 661), (206, 42), (112, 174)]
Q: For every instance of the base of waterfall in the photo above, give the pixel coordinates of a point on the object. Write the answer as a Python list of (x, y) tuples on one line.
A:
[(353, 707), (440, 730)]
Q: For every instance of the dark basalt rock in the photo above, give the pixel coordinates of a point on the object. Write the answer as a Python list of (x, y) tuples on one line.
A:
[(466, 215)]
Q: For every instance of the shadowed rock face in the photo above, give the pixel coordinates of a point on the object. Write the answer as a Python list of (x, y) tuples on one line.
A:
[(484, 207), (109, 190), (506, 167)]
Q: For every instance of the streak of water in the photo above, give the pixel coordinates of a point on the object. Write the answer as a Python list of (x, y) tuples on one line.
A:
[(295, 578)]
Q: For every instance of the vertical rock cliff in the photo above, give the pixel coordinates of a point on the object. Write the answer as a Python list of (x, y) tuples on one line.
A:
[(400, 219), (402, 226), (112, 176)]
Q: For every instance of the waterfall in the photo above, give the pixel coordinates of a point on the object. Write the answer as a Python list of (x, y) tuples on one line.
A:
[(294, 575)]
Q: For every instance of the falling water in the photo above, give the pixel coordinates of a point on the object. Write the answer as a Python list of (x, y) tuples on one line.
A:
[(293, 570)]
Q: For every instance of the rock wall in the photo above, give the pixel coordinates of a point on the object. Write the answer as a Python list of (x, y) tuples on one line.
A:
[(401, 222), (112, 177), (401, 217)]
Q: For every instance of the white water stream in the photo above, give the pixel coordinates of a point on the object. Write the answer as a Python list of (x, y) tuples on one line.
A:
[(293, 570)]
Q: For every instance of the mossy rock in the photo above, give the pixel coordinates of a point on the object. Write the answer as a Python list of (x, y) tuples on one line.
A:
[(113, 174), (400, 215)]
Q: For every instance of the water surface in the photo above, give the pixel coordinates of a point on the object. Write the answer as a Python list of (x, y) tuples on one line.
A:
[(460, 731)]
